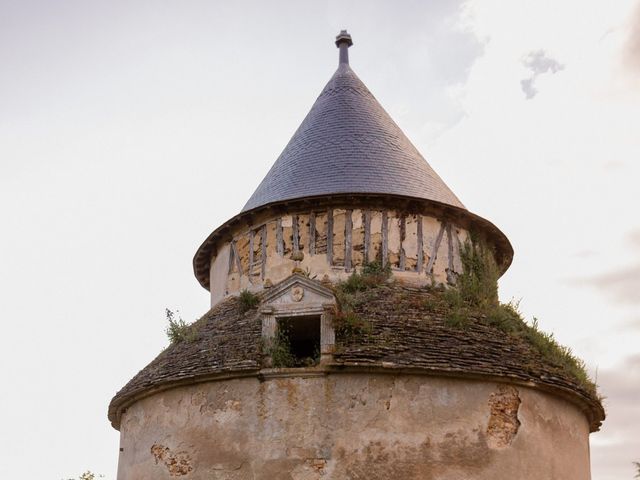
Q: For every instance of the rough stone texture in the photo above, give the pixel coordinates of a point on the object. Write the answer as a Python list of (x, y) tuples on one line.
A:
[(439, 262), (349, 426), (177, 464), (503, 422), (349, 144), (461, 219), (408, 397), (408, 332)]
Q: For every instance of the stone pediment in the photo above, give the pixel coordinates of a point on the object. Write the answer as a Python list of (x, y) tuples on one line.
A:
[(298, 290)]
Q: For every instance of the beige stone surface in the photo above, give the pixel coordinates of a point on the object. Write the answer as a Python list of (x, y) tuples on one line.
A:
[(357, 237), (376, 235), (219, 273), (410, 243), (339, 221), (230, 273), (353, 426)]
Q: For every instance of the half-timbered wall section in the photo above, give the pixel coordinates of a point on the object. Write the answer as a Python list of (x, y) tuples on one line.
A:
[(420, 249)]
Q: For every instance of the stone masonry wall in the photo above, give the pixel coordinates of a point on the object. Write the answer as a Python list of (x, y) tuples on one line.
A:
[(353, 426)]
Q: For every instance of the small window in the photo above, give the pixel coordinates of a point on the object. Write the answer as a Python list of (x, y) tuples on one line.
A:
[(302, 337)]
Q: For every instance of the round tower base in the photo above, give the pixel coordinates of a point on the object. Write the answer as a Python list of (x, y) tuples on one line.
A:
[(312, 425)]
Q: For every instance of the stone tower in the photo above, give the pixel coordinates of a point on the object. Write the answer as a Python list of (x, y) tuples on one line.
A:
[(330, 350)]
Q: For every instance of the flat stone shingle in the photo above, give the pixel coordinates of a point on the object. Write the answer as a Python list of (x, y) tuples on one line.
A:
[(349, 144)]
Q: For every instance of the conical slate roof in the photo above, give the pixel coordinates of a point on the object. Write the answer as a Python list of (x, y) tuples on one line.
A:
[(348, 146), (348, 143)]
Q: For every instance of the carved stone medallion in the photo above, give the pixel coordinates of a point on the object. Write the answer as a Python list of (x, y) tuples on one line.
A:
[(297, 292)]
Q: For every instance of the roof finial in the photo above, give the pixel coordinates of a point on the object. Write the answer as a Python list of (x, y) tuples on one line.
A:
[(343, 42)]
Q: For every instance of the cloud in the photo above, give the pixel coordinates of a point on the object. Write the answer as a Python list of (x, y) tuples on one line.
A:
[(632, 324), (613, 165), (541, 163), (622, 284), (539, 63), (632, 46), (585, 254), (618, 443), (633, 238)]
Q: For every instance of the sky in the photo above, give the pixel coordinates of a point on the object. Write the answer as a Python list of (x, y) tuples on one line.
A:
[(129, 130)]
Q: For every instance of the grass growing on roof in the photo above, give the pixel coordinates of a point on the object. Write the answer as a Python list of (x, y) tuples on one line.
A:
[(372, 274), (178, 330), (476, 292), (247, 301), (351, 293), (278, 349)]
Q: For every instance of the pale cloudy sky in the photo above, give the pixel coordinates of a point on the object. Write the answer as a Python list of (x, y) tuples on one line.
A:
[(131, 129)]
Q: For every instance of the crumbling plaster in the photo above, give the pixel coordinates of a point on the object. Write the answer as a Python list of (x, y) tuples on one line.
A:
[(419, 248), (313, 425)]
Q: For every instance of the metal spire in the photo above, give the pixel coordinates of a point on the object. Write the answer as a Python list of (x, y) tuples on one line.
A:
[(343, 42)]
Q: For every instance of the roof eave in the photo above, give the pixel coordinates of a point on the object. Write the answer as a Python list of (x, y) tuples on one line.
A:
[(503, 248)]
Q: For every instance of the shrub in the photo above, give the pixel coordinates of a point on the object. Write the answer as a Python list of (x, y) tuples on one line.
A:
[(476, 293), (307, 273), (558, 354), (376, 270), (349, 325), (351, 293), (279, 349), (88, 475), (354, 283), (371, 275), (456, 318), (178, 330), (478, 283), (506, 317), (247, 301)]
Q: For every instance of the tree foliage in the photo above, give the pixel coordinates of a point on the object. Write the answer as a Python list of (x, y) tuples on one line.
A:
[(88, 475)]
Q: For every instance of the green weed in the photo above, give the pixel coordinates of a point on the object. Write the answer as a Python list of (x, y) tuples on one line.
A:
[(247, 301), (178, 330), (476, 294), (279, 349)]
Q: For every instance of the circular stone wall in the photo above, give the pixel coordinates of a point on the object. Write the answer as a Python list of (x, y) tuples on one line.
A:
[(353, 426), (420, 249)]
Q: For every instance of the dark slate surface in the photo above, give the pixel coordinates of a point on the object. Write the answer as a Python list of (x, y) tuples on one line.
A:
[(349, 144), (408, 330)]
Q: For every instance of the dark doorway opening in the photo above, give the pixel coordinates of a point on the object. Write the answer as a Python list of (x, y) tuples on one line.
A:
[(302, 335)]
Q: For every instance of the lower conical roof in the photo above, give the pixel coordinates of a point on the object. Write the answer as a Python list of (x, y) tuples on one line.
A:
[(348, 143), (409, 332)]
